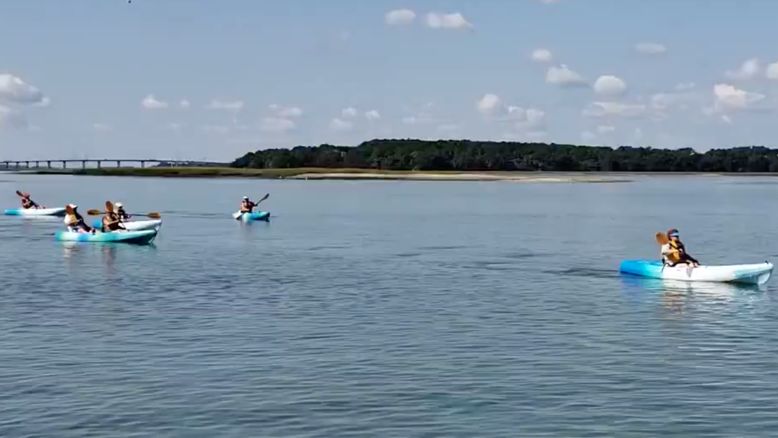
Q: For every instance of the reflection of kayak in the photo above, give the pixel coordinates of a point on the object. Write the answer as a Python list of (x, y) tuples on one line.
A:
[(757, 273), (250, 217), (138, 237), (133, 225), (35, 212)]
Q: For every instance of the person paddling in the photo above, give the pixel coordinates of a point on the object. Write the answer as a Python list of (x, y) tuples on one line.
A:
[(74, 221), (674, 251), (112, 222), (123, 216), (246, 205), (27, 203)]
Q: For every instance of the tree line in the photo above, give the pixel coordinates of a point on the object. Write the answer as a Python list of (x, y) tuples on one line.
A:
[(469, 155)]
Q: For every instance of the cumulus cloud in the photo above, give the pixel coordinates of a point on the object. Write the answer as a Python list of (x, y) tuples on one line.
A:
[(564, 77), (521, 119), (748, 70), (340, 125), (372, 115), (614, 109), (542, 55), (15, 90), (454, 21), (609, 85), (226, 105), (276, 124), (648, 48), (150, 102), (184, 104), (349, 112), (400, 17), (489, 104), (772, 71), (729, 98)]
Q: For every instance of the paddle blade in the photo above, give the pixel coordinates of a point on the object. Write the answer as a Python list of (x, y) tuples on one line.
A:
[(661, 238), (109, 206), (94, 212), (154, 215)]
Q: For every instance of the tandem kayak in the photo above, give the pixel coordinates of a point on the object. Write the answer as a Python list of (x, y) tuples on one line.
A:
[(250, 217), (154, 224), (142, 237), (756, 273), (35, 212)]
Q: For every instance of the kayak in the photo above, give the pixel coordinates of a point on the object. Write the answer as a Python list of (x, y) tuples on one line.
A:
[(35, 212), (250, 217), (142, 237), (756, 273), (133, 225)]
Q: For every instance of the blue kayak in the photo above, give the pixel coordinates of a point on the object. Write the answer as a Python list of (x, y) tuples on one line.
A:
[(755, 273), (34, 212), (251, 217), (143, 237)]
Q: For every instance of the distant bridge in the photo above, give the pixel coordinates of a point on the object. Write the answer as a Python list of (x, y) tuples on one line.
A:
[(102, 162)]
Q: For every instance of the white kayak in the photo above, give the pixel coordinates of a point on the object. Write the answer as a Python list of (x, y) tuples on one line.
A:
[(153, 224), (35, 212), (755, 273)]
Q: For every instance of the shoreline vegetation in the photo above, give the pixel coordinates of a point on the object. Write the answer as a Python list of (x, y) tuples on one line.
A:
[(465, 160)]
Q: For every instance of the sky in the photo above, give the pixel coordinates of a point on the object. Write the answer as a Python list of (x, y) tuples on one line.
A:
[(214, 79)]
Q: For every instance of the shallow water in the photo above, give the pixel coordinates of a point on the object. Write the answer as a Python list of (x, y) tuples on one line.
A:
[(388, 309)]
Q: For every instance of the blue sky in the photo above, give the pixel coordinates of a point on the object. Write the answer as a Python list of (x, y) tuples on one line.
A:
[(197, 79)]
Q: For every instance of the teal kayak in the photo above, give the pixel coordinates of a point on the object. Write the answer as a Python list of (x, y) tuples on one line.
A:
[(142, 237), (35, 212), (251, 217), (754, 273)]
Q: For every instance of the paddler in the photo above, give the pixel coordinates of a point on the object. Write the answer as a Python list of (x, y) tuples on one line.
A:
[(28, 203), (74, 221), (112, 222), (123, 216), (246, 205), (674, 251)]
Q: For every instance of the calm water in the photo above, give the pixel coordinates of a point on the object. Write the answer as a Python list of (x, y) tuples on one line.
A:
[(388, 309)]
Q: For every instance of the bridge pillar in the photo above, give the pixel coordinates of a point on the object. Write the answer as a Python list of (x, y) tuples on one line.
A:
[(142, 164), (83, 164), (99, 164), (37, 164), (118, 163), (64, 164), (48, 164)]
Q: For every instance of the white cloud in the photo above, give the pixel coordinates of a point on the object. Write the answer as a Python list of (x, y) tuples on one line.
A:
[(372, 115), (349, 112), (12, 118), (613, 109), (609, 85), (276, 124), (748, 70), (455, 21), (14, 90), (564, 77), (102, 127), (226, 105), (152, 103), (184, 104), (341, 125), (605, 129), (648, 48), (489, 104), (772, 71), (286, 111), (728, 97), (542, 55), (400, 17)]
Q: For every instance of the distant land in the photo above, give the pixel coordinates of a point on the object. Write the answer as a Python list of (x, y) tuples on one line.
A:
[(465, 160)]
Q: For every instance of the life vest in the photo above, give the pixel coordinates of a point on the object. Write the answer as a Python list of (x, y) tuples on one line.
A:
[(247, 206), (71, 220), (675, 256)]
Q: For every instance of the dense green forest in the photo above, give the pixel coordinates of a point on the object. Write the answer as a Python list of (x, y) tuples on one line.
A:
[(486, 155)]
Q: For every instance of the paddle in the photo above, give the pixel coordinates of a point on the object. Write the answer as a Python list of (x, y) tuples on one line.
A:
[(26, 195), (238, 214), (152, 215)]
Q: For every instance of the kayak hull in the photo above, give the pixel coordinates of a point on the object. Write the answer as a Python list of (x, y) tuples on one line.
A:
[(143, 237), (756, 273), (253, 217), (35, 212), (134, 225)]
